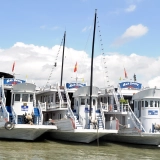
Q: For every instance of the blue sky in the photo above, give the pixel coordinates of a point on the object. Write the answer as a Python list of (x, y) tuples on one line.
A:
[(32, 30), (42, 23)]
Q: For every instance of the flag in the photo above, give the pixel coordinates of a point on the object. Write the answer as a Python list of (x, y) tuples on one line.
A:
[(13, 66), (75, 68), (82, 79), (125, 73), (26, 77), (120, 78)]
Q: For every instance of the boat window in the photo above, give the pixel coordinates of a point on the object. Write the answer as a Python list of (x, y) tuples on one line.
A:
[(139, 103), (31, 97), (82, 101), (146, 104), (17, 97), (24, 97), (135, 106), (98, 101), (151, 103), (48, 99), (52, 98), (77, 103), (41, 99), (155, 103), (88, 101), (158, 103), (101, 99), (13, 99), (105, 100), (94, 102), (142, 103)]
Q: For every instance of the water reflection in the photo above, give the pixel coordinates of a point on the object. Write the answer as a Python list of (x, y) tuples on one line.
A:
[(59, 150)]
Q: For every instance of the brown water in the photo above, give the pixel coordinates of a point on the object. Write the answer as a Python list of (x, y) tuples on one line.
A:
[(59, 150)]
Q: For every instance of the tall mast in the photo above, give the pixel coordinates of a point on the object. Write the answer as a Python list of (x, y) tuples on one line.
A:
[(63, 57), (91, 78)]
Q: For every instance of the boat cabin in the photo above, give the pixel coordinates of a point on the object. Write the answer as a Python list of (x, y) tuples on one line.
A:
[(147, 108)]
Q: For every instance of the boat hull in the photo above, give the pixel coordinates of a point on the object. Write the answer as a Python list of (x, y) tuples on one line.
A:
[(78, 135), (25, 132), (139, 138)]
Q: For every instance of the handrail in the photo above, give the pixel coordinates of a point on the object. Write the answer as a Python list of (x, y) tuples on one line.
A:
[(14, 115), (120, 93), (40, 111), (3, 103), (102, 113), (60, 95), (116, 98), (42, 105), (69, 105), (81, 120), (135, 118)]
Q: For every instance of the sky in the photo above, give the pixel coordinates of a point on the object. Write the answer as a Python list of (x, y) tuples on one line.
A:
[(127, 36)]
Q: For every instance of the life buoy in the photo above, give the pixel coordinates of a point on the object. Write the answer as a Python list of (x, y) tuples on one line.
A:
[(9, 125)]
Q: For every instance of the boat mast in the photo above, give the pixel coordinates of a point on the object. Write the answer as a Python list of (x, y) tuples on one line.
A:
[(91, 78), (63, 57)]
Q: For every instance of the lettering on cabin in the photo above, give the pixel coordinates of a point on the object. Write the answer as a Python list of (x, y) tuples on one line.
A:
[(134, 85), (24, 108), (152, 112), (10, 81), (74, 85)]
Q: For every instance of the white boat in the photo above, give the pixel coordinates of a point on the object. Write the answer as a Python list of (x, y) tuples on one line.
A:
[(138, 117), (76, 118), (72, 118), (19, 117)]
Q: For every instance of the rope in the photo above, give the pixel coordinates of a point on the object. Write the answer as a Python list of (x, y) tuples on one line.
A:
[(106, 76), (55, 64)]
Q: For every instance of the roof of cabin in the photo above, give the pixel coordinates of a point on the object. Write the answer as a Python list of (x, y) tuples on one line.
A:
[(6, 75)]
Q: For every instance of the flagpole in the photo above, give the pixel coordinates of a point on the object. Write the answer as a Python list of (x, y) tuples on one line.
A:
[(63, 58)]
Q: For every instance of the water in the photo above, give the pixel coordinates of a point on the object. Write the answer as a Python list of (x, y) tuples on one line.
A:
[(60, 150)]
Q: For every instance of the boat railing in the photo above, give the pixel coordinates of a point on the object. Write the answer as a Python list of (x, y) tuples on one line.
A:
[(69, 105), (120, 92), (40, 111), (134, 119), (104, 106), (115, 97), (102, 113), (54, 106), (42, 105), (3, 101), (60, 95), (14, 115), (67, 96), (81, 121)]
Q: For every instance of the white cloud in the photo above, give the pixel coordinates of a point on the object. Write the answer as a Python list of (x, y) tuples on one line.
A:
[(131, 8), (155, 82), (132, 32), (86, 28), (37, 61), (135, 31)]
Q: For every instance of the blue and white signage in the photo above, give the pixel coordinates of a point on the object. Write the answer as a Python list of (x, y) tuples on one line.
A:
[(132, 85), (74, 85), (24, 108), (11, 81), (152, 112)]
